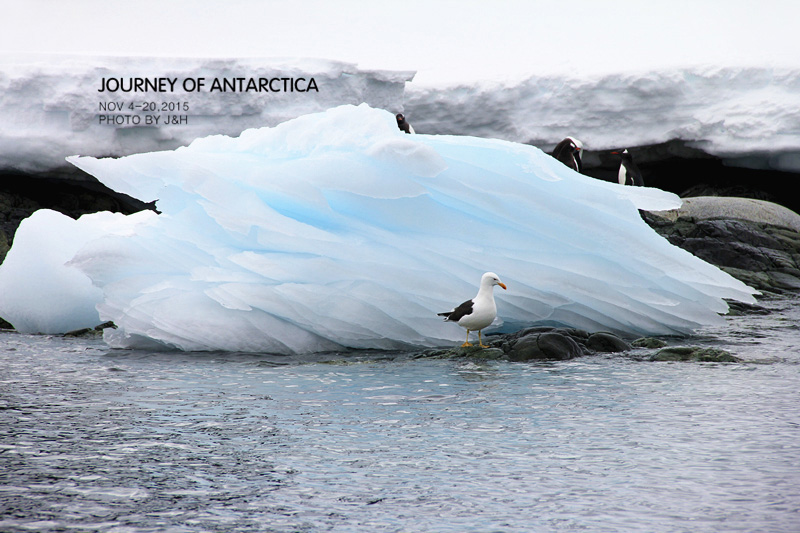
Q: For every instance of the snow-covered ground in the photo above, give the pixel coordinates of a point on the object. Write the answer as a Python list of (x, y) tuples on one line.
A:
[(51, 107), (728, 112)]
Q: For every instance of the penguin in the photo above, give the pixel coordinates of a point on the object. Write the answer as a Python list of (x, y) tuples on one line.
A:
[(402, 124), (628, 171), (570, 152)]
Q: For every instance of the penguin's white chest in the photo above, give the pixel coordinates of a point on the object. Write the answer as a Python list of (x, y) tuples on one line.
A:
[(623, 175)]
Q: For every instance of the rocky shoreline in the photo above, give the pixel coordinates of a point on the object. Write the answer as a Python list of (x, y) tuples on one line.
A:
[(561, 344), (755, 241)]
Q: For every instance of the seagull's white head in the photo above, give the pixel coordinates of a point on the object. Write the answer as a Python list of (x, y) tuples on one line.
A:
[(490, 279)]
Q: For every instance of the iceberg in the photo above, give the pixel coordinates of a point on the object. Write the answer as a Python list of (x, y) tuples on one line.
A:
[(337, 230)]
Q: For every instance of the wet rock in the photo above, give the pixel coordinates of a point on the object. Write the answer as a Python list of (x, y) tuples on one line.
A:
[(476, 352), (473, 352), (648, 342), (96, 331), (694, 353), (607, 343), (544, 346), (83, 332)]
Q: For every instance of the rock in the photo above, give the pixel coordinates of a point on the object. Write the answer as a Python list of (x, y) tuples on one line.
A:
[(693, 353), (83, 332), (545, 346), (4, 246), (734, 208), (96, 331), (648, 342), (476, 352), (472, 352), (606, 342), (755, 241)]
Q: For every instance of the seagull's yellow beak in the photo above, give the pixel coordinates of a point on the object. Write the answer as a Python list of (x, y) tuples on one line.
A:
[(502, 285)]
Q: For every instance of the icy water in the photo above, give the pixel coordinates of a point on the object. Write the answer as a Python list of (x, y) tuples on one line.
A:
[(93, 439)]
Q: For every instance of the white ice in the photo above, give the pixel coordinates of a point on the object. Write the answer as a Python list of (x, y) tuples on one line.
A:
[(338, 230), (40, 293)]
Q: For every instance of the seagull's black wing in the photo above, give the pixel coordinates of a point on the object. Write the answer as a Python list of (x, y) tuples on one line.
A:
[(459, 312)]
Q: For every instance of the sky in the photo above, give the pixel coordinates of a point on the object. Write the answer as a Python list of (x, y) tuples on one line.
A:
[(445, 40)]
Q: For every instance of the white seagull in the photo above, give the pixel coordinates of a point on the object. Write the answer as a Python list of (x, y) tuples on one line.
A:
[(476, 314)]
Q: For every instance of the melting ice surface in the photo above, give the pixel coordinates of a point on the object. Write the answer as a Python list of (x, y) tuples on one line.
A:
[(337, 230)]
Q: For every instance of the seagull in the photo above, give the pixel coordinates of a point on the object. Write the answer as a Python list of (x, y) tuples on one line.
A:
[(476, 314), (569, 152), (628, 171), (402, 124)]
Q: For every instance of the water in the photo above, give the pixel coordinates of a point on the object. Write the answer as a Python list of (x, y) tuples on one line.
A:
[(93, 439)]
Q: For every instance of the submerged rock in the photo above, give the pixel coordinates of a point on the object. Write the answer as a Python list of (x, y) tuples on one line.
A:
[(649, 342), (96, 331), (545, 346), (606, 342), (694, 353)]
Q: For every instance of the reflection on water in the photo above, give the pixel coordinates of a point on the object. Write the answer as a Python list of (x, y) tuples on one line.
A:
[(99, 440)]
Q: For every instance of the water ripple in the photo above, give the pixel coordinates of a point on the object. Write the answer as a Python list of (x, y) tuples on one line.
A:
[(98, 440)]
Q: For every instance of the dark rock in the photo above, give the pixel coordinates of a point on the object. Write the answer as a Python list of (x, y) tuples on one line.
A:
[(4, 246), (693, 353), (606, 342), (683, 167), (740, 308), (648, 342), (472, 352), (475, 352), (83, 332), (96, 331), (70, 191), (545, 346), (754, 241)]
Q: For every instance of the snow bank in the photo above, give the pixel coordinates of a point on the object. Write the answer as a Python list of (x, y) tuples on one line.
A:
[(338, 230), (52, 107), (726, 111)]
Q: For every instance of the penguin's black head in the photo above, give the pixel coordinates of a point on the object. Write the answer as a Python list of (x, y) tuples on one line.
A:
[(400, 118), (624, 154)]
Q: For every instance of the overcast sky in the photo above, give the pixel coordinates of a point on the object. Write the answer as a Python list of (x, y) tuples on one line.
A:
[(442, 40)]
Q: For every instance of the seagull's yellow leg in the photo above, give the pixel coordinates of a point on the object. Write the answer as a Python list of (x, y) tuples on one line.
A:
[(480, 342), (466, 344)]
